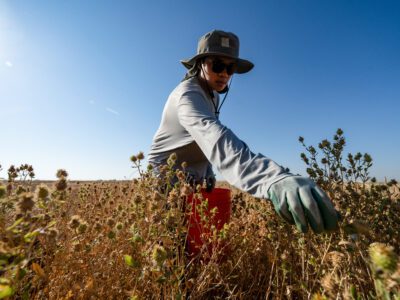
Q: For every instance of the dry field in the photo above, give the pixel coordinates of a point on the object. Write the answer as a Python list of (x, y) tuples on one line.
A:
[(116, 240), (126, 240)]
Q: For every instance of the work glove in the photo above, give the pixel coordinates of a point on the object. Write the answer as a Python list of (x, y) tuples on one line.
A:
[(300, 201)]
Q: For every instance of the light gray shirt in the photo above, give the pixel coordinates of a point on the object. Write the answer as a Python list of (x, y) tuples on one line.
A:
[(190, 128)]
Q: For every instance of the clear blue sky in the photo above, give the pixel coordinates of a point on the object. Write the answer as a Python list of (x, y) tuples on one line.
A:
[(83, 83)]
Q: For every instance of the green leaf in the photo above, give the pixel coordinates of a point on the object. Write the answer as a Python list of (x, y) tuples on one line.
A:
[(136, 238), (4, 280), (21, 273), (128, 260), (16, 223), (30, 235), (6, 291), (131, 262), (161, 279), (51, 224)]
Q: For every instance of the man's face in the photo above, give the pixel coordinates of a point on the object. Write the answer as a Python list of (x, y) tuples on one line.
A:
[(217, 70)]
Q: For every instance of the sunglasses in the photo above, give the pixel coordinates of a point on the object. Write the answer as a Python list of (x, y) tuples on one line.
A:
[(218, 67)]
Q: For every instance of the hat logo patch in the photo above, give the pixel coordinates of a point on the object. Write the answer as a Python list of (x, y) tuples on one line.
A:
[(225, 42)]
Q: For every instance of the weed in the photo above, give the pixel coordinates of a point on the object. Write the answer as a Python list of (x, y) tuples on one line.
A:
[(128, 239)]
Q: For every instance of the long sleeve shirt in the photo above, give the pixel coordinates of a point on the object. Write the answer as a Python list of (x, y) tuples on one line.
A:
[(190, 128)]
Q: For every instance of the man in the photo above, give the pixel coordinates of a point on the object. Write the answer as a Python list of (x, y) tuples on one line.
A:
[(191, 129)]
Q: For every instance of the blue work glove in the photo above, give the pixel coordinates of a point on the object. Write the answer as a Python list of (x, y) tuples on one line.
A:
[(300, 201)]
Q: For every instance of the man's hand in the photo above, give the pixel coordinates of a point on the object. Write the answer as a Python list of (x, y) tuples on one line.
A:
[(300, 201)]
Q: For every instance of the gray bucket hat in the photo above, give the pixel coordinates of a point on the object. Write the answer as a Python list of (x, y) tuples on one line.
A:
[(219, 43)]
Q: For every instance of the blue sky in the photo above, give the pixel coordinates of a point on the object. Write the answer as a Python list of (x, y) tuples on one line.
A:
[(83, 83)]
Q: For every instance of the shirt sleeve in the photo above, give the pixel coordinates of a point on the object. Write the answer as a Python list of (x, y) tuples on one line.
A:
[(249, 172)]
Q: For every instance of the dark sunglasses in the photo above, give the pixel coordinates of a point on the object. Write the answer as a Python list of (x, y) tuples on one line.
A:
[(218, 67)]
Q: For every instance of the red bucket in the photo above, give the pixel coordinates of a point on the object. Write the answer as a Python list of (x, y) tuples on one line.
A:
[(217, 212)]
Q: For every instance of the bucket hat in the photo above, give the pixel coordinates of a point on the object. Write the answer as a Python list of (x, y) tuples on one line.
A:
[(221, 43)]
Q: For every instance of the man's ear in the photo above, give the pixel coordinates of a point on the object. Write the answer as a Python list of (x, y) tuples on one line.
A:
[(202, 65)]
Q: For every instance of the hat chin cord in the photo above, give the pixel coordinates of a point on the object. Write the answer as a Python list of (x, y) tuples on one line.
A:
[(210, 91)]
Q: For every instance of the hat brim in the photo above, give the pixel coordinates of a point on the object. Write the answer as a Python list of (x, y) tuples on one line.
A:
[(243, 65)]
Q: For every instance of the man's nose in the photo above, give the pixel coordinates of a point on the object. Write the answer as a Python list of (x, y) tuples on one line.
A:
[(224, 73)]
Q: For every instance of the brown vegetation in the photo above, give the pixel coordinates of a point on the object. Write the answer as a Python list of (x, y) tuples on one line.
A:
[(125, 240)]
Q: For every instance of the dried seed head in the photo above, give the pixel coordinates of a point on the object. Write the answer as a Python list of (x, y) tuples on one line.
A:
[(53, 233), (154, 206), (171, 221), (137, 238), (172, 160), (111, 234), (42, 192), (173, 156), (110, 222), (327, 282), (156, 196), (119, 226), (61, 185), (26, 202), (82, 227), (336, 257), (383, 257), (97, 226), (159, 254), (181, 175), (156, 218), (184, 165), (186, 190), (61, 173), (75, 221), (20, 189), (140, 155), (77, 247), (330, 283), (137, 199), (173, 196)]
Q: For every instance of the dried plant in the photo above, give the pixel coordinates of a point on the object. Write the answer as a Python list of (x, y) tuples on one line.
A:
[(128, 239)]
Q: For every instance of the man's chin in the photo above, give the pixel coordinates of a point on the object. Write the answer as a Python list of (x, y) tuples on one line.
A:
[(220, 89)]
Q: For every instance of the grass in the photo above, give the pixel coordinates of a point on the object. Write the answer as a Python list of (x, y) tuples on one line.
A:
[(125, 240)]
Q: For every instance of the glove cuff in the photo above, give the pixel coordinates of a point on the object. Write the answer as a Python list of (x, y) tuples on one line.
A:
[(278, 178)]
